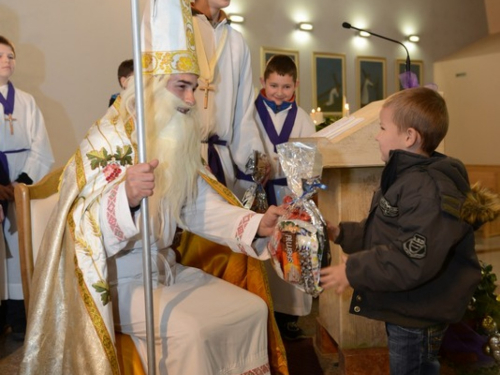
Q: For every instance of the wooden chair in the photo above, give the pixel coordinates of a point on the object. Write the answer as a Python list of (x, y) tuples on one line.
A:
[(34, 205)]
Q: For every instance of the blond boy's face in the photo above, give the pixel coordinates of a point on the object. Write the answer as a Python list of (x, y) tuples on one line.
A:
[(389, 137), (279, 88)]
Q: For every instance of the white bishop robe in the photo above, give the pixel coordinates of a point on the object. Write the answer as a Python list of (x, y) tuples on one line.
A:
[(204, 325)]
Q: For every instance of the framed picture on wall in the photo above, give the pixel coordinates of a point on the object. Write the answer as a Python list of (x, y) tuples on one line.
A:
[(328, 80), (266, 53), (370, 80), (417, 67)]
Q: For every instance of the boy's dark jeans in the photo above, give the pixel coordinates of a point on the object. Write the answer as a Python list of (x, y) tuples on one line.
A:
[(414, 351)]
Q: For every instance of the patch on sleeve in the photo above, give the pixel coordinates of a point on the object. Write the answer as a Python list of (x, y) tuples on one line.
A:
[(416, 247), (111, 214), (387, 209), (451, 205), (240, 230)]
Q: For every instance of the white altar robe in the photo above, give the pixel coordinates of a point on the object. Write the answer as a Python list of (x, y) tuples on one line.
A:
[(287, 298), (231, 105), (302, 127), (28, 133), (203, 324)]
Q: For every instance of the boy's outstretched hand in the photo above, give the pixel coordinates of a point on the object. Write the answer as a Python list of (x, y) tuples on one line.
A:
[(333, 231), (335, 277)]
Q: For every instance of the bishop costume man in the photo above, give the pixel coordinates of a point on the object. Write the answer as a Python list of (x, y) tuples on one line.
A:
[(88, 280)]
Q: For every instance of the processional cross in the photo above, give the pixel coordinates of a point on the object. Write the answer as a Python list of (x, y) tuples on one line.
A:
[(208, 87)]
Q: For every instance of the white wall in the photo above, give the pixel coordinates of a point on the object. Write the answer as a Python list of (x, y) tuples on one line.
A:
[(471, 88), (69, 50), (492, 14)]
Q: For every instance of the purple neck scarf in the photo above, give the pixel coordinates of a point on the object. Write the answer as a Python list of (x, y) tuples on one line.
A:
[(8, 104), (276, 138), (214, 161)]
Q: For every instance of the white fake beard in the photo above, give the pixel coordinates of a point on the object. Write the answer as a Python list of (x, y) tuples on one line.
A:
[(174, 139)]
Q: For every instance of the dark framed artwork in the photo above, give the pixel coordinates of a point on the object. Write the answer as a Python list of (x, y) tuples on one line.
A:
[(329, 88), (266, 53), (370, 80), (417, 67)]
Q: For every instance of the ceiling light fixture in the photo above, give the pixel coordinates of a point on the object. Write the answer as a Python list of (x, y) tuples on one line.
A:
[(236, 18), (364, 34), (414, 38), (305, 26)]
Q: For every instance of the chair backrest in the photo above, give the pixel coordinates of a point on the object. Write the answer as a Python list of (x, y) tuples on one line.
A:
[(34, 204)]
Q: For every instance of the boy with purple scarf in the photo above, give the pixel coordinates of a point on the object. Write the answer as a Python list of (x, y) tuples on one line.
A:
[(279, 119), (25, 157)]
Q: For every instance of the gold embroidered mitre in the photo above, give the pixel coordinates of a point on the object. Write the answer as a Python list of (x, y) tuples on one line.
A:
[(168, 45)]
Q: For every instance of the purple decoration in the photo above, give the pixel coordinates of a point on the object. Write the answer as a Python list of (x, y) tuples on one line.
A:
[(408, 80)]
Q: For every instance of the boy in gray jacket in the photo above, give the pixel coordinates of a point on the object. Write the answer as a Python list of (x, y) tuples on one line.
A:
[(412, 262)]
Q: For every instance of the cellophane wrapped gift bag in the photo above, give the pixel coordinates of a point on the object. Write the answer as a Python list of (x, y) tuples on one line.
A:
[(300, 245), (255, 198)]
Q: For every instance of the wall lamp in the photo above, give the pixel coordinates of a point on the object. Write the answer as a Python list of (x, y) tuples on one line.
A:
[(236, 18), (414, 38), (305, 26)]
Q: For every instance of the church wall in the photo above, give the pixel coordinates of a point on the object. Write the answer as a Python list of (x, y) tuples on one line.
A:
[(68, 51), (471, 87)]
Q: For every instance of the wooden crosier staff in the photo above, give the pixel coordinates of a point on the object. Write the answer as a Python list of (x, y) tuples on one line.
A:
[(141, 148)]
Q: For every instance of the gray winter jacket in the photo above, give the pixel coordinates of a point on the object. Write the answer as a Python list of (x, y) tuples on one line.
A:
[(412, 260)]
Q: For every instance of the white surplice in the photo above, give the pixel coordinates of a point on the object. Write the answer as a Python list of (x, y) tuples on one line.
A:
[(287, 298), (231, 104), (28, 132), (203, 324)]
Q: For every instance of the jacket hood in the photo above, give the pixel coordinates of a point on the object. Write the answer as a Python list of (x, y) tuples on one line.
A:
[(480, 206), (475, 205)]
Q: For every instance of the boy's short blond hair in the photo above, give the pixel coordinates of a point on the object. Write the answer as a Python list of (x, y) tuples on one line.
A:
[(422, 109)]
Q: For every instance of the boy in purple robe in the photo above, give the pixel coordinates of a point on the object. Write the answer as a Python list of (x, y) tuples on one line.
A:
[(279, 118)]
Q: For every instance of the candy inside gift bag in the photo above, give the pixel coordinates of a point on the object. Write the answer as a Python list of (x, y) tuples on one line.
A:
[(299, 246), (255, 197)]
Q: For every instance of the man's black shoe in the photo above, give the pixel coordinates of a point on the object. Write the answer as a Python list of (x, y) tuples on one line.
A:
[(291, 331)]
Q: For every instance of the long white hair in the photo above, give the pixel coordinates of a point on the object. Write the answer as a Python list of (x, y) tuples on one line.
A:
[(174, 139)]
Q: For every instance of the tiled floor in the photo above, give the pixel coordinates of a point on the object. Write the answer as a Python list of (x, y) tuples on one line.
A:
[(488, 251), (10, 354), (328, 362), (11, 351)]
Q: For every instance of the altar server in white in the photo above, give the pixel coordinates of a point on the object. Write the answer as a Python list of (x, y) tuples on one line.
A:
[(279, 119), (25, 156), (225, 95)]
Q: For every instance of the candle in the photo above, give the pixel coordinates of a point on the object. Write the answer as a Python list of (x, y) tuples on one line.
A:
[(346, 110), (317, 116)]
